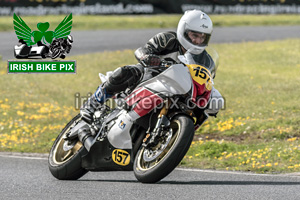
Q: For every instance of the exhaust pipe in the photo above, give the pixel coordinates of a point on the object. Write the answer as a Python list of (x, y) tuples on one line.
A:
[(86, 138)]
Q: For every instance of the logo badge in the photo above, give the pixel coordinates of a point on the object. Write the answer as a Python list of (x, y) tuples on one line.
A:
[(122, 125), (203, 26), (42, 42)]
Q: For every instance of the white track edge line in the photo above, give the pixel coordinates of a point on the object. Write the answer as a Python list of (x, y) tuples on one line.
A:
[(238, 173), (24, 157)]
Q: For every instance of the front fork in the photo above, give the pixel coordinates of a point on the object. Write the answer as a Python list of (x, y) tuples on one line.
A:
[(152, 138), (162, 122)]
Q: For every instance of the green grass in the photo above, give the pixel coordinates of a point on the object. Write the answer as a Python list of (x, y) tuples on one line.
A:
[(260, 81), (263, 157), (148, 21)]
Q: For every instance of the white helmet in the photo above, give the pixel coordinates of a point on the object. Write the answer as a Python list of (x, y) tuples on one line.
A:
[(196, 21)]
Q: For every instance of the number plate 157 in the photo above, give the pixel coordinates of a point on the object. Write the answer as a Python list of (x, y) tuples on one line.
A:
[(121, 157)]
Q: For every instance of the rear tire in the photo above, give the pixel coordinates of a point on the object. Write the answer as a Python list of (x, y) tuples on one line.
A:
[(153, 171), (66, 165)]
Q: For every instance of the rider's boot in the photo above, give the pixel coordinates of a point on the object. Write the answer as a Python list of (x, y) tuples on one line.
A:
[(95, 101), (122, 78), (87, 111)]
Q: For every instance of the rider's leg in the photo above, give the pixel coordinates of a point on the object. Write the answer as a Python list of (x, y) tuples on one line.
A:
[(93, 103), (122, 78)]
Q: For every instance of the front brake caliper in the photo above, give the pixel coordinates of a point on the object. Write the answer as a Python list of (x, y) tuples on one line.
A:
[(152, 138)]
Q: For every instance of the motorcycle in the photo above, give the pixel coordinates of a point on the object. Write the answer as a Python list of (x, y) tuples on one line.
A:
[(157, 142)]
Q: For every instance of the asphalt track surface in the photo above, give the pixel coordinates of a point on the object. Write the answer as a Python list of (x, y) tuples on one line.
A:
[(26, 177), (111, 40)]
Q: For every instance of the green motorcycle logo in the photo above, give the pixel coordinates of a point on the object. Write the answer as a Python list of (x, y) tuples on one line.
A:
[(50, 44), (24, 32)]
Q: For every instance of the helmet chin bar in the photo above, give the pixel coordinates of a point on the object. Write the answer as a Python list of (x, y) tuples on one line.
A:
[(194, 51), (197, 50)]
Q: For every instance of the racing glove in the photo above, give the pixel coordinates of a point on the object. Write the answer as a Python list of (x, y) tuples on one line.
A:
[(151, 60)]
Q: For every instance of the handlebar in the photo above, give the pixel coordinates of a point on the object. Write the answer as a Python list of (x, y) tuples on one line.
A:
[(163, 63)]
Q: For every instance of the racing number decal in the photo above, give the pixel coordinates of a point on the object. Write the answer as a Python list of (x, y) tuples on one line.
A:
[(121, 157), (201, 75), (201, 72)]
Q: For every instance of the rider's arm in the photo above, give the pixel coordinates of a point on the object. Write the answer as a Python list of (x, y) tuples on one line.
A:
[(160, 44)]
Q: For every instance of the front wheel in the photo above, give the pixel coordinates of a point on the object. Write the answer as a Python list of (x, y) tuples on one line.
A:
[(55, 53), (153, 164), (66, 164)]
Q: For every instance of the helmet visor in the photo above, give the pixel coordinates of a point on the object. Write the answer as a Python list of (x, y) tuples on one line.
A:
[(197, 38)]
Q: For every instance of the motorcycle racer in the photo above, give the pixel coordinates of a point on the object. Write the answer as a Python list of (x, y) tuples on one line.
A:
[(193, 34), (63, 44)]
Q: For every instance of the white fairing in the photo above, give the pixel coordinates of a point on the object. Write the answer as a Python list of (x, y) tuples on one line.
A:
[(119, 135), (174, 80)]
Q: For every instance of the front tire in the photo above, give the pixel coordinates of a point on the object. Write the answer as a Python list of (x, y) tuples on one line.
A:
[(55, 53), (151, 171), (66, 165)]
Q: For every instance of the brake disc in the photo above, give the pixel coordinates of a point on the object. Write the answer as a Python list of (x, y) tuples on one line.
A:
[(68, 146), (150, 155)]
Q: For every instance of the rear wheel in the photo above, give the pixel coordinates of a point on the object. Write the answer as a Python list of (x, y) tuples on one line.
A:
[(65, 158), (153, 164)]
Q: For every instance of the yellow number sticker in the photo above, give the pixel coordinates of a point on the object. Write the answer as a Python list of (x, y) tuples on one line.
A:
[(201, 75), (121, 157)]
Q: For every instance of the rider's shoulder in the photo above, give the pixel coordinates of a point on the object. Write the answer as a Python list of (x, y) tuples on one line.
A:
[(165, 38), (168, 35)]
